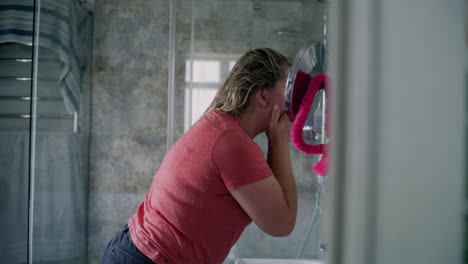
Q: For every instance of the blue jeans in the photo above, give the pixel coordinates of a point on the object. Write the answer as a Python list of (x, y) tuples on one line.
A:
[(121, 250)]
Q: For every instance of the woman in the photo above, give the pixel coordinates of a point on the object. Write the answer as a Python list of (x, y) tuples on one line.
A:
[(215, 180)]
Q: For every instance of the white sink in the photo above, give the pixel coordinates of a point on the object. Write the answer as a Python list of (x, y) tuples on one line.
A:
[(278, 261)]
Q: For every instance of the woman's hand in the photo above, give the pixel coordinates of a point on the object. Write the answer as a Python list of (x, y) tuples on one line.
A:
[(279, 129)]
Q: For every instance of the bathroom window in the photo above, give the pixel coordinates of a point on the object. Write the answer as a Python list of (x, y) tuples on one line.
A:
[(207, 77), (231, 64), (197, 103), (204, 71)]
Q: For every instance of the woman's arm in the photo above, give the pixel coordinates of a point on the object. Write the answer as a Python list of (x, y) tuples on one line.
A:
[(272, 202)]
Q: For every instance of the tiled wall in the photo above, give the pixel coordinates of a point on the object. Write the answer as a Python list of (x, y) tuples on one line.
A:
[(129, 104)]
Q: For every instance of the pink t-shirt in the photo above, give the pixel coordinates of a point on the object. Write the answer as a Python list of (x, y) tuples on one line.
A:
[(189, 215)]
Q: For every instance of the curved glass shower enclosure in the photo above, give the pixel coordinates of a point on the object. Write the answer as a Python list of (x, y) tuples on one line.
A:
[(208, 37), (45, 70)]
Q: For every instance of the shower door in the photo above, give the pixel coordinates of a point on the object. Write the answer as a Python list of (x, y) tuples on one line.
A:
[(44, 120), (211, 36), (16, 53)]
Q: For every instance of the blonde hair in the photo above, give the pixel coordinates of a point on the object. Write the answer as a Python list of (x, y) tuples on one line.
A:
[(257, 68)]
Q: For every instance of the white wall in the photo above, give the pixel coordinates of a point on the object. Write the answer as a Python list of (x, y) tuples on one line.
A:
[(399, 139)]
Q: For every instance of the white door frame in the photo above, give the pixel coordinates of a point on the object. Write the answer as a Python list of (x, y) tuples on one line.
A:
[(398, 149)]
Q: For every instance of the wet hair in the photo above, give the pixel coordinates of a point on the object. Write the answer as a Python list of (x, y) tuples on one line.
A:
[(256, 69)]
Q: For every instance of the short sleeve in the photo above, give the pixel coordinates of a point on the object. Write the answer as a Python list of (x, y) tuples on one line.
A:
[(239, 160)]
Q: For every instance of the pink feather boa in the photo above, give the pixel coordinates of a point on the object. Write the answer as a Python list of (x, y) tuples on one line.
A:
[(300, 118)]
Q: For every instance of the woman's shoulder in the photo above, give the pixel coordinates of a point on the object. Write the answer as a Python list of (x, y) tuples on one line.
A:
[(212, 125), (221, 119)]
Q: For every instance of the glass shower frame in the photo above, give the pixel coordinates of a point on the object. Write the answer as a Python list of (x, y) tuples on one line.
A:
[(59, 181), (57, 184)]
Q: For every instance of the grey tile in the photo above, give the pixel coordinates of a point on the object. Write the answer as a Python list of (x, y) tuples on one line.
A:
[(108, 215), (123, 163)]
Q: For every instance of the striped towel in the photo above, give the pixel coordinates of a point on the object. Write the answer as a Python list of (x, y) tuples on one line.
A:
[(64, 28)]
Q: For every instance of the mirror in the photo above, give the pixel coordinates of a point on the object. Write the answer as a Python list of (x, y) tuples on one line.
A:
[(309, 62)]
